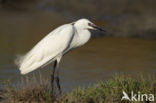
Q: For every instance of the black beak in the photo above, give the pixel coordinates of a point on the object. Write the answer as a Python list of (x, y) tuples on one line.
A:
[(96, 27)]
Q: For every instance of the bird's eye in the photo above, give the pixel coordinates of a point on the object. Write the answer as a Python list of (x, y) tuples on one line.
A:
[(73, 23), (89, 24)]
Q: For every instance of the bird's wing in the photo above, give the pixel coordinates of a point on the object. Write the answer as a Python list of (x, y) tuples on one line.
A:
[(47, 49)]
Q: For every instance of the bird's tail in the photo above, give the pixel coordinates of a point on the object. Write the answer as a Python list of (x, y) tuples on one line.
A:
[(28, 62), (18, 60)]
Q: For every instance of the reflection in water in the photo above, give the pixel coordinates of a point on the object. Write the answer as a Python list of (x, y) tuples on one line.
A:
[(98, 60)]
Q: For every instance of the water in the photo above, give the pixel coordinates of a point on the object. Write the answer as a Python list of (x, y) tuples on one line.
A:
[(98, 60)]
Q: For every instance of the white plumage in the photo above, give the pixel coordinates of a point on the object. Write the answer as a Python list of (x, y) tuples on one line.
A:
[(55, 45)]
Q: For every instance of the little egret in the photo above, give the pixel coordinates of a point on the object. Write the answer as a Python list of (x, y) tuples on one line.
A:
[(53, 46)]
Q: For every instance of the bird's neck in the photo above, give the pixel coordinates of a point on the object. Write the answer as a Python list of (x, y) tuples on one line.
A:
[(82, 37)]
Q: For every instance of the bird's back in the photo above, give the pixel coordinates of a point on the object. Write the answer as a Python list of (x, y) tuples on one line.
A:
[(47, 50)]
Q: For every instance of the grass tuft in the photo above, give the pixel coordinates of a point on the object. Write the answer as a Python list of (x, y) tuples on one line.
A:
[(109, 91)]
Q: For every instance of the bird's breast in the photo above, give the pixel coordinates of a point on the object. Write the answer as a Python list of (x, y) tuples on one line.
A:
[(82, 38)]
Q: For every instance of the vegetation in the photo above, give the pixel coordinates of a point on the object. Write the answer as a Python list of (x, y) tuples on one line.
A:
[(102, 92)]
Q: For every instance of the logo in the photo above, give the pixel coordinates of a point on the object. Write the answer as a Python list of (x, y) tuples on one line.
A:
[(125, 96), (137, 97)]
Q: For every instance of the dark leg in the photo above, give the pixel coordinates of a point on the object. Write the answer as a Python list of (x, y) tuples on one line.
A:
[(53, 77), (56, 79), (58, 84)]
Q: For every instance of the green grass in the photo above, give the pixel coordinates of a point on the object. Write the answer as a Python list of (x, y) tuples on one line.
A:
[(103, 92), (111, 90)]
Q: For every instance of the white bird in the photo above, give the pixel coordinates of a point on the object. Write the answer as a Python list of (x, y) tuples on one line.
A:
[(53, 46)]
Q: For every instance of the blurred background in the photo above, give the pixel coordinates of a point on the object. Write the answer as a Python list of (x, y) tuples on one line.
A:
[(130, 50)]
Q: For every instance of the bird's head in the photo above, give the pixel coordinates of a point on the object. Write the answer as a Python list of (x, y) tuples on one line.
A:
[(86, 24)]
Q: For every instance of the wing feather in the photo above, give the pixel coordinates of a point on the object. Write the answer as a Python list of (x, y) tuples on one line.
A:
[(47, 49)]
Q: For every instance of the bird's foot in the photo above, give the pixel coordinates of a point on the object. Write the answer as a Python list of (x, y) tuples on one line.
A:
[(58, 85)]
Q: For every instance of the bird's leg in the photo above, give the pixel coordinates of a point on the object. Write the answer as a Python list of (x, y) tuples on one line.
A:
[(53, 76), (58, 81)]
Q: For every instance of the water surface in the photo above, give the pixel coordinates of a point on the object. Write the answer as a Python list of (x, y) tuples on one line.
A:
[(98, 60)]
